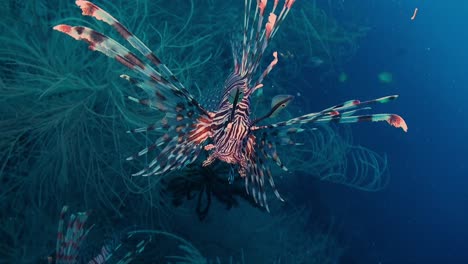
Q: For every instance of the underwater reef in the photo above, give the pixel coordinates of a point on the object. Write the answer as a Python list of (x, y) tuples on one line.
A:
[(64, 119)]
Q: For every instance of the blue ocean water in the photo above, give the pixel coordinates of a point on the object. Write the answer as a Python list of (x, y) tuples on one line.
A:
[(64, 141), (421, 216)]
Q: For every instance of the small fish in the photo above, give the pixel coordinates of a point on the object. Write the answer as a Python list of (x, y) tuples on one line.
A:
[(385, 77), (287, 55), (315, 61), (229, 133), (280, 102), (343, 77)]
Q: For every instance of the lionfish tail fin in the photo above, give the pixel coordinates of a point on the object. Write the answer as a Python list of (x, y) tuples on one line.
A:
[(257, 35), (186, 123), (344, 113)]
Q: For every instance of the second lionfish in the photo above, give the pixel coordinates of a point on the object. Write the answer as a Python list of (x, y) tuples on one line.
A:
[(230, 133)]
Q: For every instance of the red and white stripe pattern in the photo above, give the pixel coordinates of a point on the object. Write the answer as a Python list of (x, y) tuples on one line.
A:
[(229, 133), (343, 113), (185, 123), (69, 240)]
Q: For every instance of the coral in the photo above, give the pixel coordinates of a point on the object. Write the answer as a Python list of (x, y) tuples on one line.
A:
[(326, 152), (247, 235), (317, 39), (64, 119), (63, 123), (329, 156)]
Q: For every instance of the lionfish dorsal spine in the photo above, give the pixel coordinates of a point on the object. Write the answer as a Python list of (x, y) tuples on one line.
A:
[(257, 35)]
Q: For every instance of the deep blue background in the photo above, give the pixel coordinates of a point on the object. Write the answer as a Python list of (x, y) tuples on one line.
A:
[(422, 216)]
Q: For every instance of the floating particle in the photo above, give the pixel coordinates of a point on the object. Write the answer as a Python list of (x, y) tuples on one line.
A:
[(343, 77), (385, 77), (414, 13)]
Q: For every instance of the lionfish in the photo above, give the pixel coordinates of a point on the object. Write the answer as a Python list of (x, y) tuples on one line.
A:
[(71, 237), (229, 134)]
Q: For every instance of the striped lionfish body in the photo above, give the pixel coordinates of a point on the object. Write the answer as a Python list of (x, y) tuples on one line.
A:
[(228, 134)]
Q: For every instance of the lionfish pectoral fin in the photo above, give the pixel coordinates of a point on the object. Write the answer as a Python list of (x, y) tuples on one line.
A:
[(181, 144), (259, 151), (268, 140), (268, 136), (344, 113), (186, 123)]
